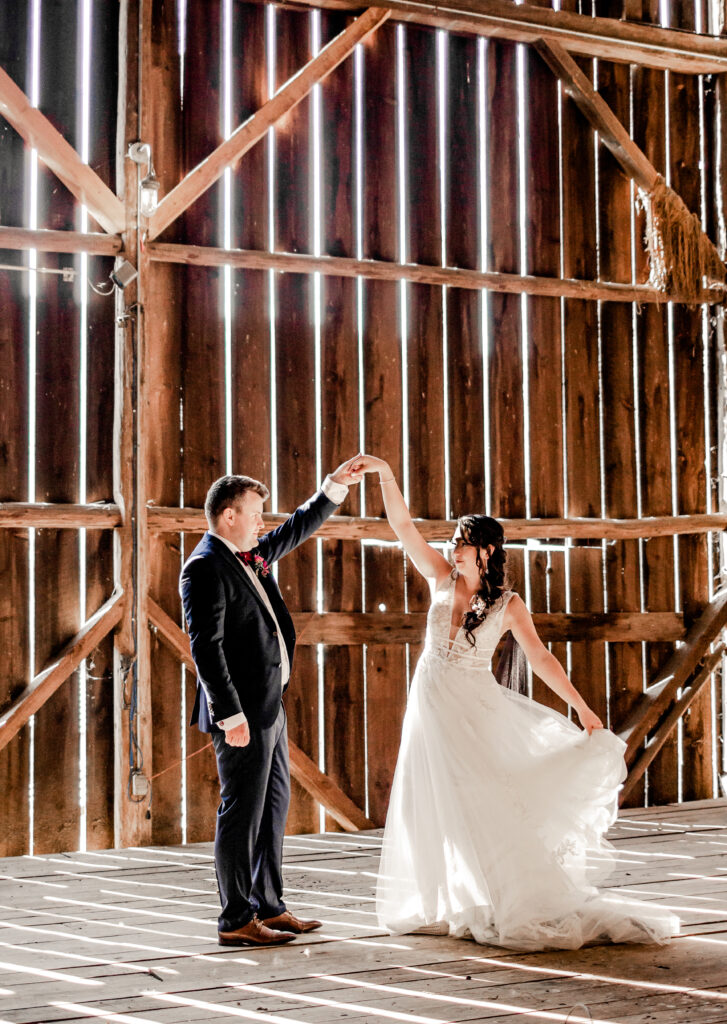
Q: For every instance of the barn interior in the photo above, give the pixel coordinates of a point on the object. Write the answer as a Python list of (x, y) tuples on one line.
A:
[(483, 240)]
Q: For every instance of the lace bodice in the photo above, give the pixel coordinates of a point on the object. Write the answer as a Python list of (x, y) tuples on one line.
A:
[(439, 621)]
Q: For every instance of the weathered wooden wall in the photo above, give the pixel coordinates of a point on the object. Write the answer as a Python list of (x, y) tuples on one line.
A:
[(421, 147)]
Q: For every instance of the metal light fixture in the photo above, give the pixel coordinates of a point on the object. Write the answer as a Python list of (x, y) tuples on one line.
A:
[(140, 153)]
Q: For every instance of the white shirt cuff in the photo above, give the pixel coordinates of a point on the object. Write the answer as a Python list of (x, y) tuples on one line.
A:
[(333, 491), (232, 721)]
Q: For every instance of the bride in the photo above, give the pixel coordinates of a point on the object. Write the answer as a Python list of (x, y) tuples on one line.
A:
[(499, 805)]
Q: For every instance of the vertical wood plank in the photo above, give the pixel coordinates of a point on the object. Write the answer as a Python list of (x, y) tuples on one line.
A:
[(98, 695), (251, 370), (343, 686), (504, 320), (652, 336), (623, 557), (56, 760), (545, 383), (203, 354), (385, 665), (582, 390), (464, 307), (14, 634), (692, 455), (295, 387), (164, 288), (425, 372)]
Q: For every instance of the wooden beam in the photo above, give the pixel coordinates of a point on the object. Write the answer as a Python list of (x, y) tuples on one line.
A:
[(668, 724), (60, 241), (380, 270), (45, 515), (326, 792), (45, 684), (674, 674), (227, 154), (606, 38), (354, 628), (192, 520), (602, 119), (611, 131), (323, 789), (59, 156)]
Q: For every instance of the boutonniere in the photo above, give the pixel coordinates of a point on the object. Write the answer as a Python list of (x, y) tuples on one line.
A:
[(256, 562)]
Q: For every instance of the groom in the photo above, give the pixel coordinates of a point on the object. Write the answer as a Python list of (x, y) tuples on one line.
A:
[(242, 640)]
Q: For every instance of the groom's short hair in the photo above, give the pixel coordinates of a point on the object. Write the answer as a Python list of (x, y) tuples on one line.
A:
[(227, 491)]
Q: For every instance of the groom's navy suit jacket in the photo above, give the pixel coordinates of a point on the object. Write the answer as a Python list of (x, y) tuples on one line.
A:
[(233, 636)]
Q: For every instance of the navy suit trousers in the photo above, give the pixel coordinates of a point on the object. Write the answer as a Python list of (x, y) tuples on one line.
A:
[(255, 794)]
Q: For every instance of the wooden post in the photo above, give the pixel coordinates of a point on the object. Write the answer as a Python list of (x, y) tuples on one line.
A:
[(131, 661)]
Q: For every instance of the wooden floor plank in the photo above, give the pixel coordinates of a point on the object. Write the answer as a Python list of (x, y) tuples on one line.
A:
[(139, 926)]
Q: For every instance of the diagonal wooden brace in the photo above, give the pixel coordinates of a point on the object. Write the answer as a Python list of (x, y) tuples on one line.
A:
[(205, 174), (60, 156), (678, 709), (676, 672), (348, 815), (45, 684)]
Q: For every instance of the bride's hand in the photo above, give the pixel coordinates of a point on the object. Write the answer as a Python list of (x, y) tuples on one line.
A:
[(590, 720), (370, 464)]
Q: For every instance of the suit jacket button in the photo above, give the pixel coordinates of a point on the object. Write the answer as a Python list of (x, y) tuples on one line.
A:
[(275, 632)]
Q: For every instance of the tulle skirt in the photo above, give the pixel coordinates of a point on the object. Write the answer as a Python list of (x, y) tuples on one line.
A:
[(496, 821)]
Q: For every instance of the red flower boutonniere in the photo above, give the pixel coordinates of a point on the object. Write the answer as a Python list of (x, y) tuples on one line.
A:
[(256, 562)]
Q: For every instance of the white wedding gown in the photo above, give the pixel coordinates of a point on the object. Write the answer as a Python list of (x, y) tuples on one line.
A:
[(498, 810)]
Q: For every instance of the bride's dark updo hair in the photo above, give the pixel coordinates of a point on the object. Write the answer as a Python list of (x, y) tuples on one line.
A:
[(483, 532)]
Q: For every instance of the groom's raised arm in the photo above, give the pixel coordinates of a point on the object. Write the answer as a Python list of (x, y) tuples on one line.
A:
[(310, 515)]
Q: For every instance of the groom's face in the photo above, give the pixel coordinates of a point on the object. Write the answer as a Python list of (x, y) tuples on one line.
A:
[(246, 520)]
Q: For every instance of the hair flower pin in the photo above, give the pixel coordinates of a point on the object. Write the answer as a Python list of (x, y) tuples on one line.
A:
[(256, 562)]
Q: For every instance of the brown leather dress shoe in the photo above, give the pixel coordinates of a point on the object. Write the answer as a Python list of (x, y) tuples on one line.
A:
[(255, 933), (287, 922)]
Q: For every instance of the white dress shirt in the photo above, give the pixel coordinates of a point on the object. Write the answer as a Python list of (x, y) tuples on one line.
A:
[(334, 492)]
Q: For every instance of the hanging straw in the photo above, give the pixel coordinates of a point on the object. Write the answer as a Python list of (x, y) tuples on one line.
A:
[(683, 262)]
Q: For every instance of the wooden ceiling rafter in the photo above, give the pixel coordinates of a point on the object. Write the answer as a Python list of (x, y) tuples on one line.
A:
[(611, 39)]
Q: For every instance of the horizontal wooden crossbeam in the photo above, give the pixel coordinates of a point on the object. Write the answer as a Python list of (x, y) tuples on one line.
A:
[(345, 628), (41, 515), (227, 154), (679, 708), (676, 672), (60, 157), (606, 38), (162, 519), (44, 240), (45, 684), (381, 270), (323, 789), (192, 520)]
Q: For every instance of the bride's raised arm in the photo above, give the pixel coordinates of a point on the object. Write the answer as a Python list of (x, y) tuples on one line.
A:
[(430, 562)]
